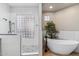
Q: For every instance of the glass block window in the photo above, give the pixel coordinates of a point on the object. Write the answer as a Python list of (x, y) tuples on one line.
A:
[(25, 25), (46, 18)]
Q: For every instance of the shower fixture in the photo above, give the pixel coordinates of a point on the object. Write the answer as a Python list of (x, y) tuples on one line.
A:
[(5, 19), (10, 27)]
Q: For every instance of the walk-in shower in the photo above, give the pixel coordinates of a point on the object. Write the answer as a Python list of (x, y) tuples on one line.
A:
[(27, 29), (20, 29), (28, 26)]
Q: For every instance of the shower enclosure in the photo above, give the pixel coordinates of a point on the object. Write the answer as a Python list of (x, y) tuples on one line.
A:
[(28, 28), (28, 31), (20, 29)]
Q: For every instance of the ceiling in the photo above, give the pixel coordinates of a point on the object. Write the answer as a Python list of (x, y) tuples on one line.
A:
[(56, 6), (22, 4)]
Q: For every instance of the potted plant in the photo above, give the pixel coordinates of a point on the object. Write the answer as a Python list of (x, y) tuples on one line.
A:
[(50, 31)]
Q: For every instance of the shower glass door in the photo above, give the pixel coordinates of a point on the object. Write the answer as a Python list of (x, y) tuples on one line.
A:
[(27, 29)]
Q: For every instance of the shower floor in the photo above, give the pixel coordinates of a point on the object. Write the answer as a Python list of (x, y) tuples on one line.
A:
[(29, 50)]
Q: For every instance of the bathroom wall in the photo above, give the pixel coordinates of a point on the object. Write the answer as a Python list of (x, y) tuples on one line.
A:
[(4, 13), (67, 19)]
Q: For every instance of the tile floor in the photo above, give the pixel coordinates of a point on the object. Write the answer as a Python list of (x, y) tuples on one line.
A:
[(49, 53)]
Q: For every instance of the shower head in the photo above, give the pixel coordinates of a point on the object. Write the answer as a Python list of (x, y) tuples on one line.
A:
[(5, 19)]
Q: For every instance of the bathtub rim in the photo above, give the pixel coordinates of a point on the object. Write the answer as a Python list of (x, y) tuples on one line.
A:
[(50, 40)]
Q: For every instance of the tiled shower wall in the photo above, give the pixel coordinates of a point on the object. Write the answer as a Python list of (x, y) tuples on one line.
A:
[(4, 13)]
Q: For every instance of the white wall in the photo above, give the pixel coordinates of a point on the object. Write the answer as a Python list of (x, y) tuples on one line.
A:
[(68, 19), (4, 13)]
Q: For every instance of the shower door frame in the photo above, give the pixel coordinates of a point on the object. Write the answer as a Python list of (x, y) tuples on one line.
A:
[(20, 33)]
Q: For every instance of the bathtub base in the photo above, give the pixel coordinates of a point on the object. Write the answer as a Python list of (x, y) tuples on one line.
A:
[(77, 49), (61, 54)]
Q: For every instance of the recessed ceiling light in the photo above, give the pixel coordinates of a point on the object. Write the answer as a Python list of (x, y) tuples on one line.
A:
[(50, 7)]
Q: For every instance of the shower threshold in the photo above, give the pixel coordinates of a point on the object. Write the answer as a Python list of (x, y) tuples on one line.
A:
[(30, 54)]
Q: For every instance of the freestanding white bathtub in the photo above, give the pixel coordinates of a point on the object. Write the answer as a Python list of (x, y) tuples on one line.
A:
[(62, 47)]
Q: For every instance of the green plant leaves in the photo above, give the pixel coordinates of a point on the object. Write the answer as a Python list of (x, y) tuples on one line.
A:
[(50, 30)]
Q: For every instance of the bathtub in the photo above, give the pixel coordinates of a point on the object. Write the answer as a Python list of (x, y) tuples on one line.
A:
[(62, 47)]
